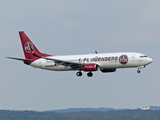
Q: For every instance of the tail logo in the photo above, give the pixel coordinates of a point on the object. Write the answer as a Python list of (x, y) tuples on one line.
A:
[(28, 47)]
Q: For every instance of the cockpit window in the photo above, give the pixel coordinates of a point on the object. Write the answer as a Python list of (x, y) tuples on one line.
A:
[(142, 56)]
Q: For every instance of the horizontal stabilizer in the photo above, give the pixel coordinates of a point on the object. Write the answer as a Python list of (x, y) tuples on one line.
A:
[(27, 60)]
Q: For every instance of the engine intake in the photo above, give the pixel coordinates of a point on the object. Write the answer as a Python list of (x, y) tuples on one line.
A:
[(90, 67)]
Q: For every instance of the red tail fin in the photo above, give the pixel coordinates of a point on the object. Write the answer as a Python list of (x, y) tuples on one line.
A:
[(29, 49)]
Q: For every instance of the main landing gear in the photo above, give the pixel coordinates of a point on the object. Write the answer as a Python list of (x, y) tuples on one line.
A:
[(89, 74), (79, 73)]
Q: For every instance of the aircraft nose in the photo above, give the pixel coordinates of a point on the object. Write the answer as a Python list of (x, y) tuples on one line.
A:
[(149, 60)]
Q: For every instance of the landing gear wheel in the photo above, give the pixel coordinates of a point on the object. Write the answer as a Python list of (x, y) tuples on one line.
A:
[(138, 71), (79, 73), (89, 74)]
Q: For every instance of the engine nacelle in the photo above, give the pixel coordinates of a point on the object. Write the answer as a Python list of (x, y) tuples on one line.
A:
[(108, 70), (90, 67)]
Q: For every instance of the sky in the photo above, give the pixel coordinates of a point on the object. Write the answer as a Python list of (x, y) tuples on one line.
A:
[(61, 27)]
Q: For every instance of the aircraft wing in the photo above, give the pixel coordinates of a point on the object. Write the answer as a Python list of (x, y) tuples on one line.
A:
[(73, 65)]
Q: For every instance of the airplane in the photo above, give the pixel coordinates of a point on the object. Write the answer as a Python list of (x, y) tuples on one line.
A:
[(105, 62)]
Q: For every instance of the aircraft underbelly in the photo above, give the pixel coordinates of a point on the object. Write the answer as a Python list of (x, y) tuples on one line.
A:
[(109, 65)]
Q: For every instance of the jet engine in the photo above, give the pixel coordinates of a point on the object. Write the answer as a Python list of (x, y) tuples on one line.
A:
[(90, 67)]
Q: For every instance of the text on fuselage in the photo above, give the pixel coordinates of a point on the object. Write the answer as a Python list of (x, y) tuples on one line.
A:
[(96, 59)]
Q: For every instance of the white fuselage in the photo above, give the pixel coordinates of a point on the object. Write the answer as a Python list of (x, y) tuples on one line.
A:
[(103, 60)]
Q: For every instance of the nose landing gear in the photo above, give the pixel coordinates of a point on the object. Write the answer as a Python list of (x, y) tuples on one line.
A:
[(138, 71)]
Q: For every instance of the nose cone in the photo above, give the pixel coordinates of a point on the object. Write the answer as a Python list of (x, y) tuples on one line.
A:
[(149, 60)]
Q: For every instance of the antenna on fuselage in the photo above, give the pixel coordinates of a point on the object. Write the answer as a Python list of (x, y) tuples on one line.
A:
[(96, 52)]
